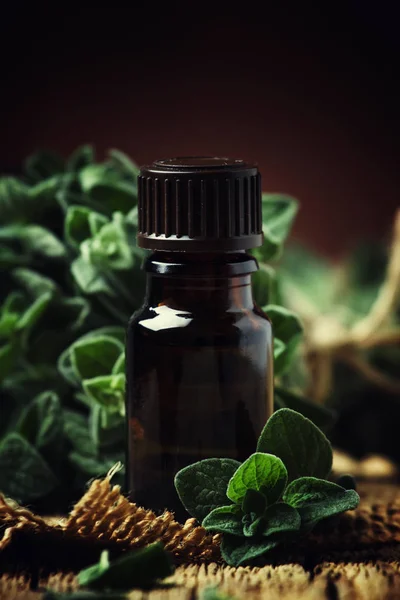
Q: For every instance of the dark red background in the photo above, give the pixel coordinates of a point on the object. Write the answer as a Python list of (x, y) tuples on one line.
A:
[(312, 96)]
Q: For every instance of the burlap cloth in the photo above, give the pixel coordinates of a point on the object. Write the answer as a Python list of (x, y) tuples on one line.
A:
[(357, 556)]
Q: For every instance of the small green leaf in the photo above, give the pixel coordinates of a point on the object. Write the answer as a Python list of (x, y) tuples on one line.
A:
[(32, 314), (281, 360), (281, 518), (224, 519), (96, 222), (238, 551), (303, 447), (42, 194), (254, 502), (89, 278), (91, 574), (107, 429), (76, 429), (96, 356), (34, 239), (106, 187), (76, 225), (35, 283), (319, 414), (317, 499), (262, 472), (91, 466), (110, 247), (202, 486), (122, 163), (43, 164), (286, 324), (108, 391), (252, 524), (278, 213), (264, 285), (287, 329), (24, 475), (82, 223), (15, 302), (41, 423), (308, 278), (75, 311), (119, 366), (80, 158), (14, 200), (8, 323), (8, 355), (64, 362), (138, 569)]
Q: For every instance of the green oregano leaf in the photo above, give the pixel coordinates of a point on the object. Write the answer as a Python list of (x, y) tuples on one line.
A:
[(80, 158), (43, 164), (303, 447), (287, 330), (281, 518), (278, 213), (24, 475), (35, 283), (95, 356), (108, 391), (202, 486), (237, 551), (41, 423), (34, 239), (262, 472), (119, 365), (252, 524), (317, 499), (225, 519), (141, 569), (254, 502)]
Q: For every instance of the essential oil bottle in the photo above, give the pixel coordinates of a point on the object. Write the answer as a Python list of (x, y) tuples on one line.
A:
[(199, 351)]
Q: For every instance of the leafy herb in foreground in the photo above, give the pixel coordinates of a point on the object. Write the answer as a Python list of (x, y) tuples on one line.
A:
[(264, 473), (266, 511), (137, 569), (236, 551), (316, 499), (303, 447), (202, 486)]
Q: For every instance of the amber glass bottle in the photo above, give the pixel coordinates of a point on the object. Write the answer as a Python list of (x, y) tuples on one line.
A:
[(199, 351)]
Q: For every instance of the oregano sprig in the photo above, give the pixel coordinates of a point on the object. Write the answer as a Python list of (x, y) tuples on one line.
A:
[(279, 493)]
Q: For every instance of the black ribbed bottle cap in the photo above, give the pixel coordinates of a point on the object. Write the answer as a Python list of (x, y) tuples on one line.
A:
[(200, 203)]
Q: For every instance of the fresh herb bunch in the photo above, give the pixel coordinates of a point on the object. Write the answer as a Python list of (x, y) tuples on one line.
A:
[(278, 494), (71, 278)]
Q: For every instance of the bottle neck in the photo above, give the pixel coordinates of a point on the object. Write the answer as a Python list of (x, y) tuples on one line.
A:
[(200, 282)]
